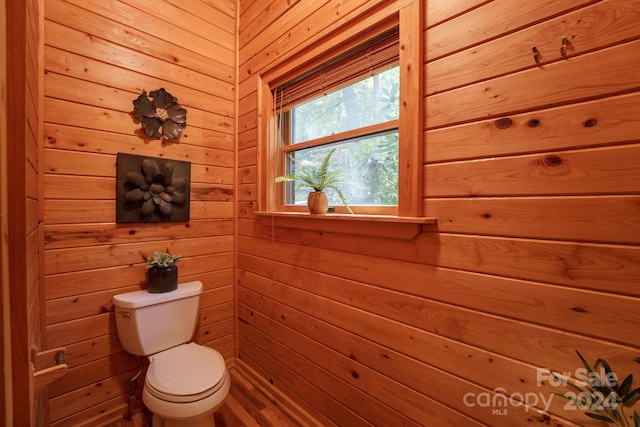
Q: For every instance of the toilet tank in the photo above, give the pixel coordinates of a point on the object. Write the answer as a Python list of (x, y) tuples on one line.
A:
[(148, 323)]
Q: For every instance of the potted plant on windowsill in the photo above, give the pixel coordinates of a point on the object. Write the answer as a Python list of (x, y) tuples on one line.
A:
[(318, 179), (162, 272)]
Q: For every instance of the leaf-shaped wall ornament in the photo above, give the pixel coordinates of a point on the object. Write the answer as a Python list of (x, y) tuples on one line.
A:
[(163, 112)]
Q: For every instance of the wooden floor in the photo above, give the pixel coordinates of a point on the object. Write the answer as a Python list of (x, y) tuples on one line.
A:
[(244, 406), (247, 406)]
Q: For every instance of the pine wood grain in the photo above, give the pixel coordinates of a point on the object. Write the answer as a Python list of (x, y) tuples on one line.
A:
[(72, 89), (488, 21), (97, 60), (21, 210), (204, 160), (588, 28), (549, 85), (110, 21), (72, 235), (588, 171), (98, 48), (531, 169), (586, 219), (68, 63), (579, 125)]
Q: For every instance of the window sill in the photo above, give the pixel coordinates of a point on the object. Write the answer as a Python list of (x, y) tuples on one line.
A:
[(367, 225)]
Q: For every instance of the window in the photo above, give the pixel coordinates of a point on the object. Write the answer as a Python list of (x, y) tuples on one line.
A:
[(350, 104), (361, 95)]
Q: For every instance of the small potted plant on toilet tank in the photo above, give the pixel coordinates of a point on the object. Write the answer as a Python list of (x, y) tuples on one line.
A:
[(162, 272)]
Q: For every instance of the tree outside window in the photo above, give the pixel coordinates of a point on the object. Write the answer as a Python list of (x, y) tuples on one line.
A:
[(369, 160)]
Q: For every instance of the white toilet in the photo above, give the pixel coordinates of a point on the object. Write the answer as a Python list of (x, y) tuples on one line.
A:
[(186, 382)]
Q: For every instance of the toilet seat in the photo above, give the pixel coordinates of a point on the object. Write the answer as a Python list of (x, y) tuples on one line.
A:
[(186, 373)]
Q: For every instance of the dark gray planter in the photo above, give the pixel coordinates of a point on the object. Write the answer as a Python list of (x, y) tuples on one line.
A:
[(161, 280)]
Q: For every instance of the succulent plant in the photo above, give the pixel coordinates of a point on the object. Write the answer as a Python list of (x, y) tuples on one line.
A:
[(162, 260)]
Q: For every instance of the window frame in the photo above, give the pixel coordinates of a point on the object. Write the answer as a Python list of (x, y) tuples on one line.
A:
[(410, 122), (287, 147)]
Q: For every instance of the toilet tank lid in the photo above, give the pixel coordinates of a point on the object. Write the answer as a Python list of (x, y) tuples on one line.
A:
[(143, 298)]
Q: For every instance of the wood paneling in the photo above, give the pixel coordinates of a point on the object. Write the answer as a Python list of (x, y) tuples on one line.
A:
[(22, 209), (489, 20), (588, 28), (596, 123), (97, 60), (531, 169), (553, 84)]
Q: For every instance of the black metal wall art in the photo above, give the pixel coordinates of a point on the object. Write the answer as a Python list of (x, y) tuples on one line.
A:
[(152, 189), (163, 111)]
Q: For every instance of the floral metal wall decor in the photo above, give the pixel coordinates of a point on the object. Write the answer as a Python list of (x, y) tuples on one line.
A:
[(163, 111), (152, 189)]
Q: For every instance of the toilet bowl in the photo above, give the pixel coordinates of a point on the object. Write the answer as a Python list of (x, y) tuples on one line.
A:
[(185, 382), (185, 385)]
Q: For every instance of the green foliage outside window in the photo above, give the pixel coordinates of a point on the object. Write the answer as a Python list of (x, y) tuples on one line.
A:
[(371, 161)]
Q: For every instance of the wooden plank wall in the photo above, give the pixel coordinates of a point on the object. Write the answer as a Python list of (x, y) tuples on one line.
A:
[(6, 405), (34, 199), (98, 58), (532, 171), (24, 197)]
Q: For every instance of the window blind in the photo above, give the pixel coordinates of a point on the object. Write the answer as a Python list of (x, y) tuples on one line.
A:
[(367, 59)]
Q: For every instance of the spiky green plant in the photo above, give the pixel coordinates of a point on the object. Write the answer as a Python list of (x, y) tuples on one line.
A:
[(318, 179), (162, 260), (606, 397)]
